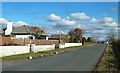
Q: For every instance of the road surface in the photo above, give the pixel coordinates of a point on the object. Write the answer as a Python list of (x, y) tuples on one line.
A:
[(84, 59)]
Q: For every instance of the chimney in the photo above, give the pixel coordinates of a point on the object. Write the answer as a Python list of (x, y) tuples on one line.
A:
[(9, 28)]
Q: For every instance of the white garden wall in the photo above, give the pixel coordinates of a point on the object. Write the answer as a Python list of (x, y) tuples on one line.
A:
[(69, 45), (13, 50), (72, 44), (37, 48), (61, 45)]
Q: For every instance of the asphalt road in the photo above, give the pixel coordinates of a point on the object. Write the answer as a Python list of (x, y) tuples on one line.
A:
[(84, 59)]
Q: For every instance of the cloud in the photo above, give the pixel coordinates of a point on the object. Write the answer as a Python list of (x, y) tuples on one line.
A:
[(79, 16), (68, 18), (3, 21), (93, 20), (107, 19), (99, 31), (65, 22), (105, 22), (56, 31), (54, 18), (95, 27), (69, 22), (109, 22), (20, 23), (112, 24), (100, 27)]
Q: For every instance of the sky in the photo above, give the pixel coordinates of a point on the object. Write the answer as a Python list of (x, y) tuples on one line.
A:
[(60, 0), (95, 18)]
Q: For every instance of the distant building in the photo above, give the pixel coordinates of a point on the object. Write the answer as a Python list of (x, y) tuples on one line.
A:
[(54, 37), (64, 38)]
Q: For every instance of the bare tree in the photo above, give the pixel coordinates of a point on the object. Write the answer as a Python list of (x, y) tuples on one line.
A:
[(111, 36), (76, 35), (38, 31)]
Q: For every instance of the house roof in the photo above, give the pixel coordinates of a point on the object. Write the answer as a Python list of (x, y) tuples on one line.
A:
[(26, 30), (21, 30), (54, 36), (44, 34), (58, 36)]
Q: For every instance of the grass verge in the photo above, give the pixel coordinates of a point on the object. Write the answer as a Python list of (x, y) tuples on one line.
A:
[(108, 62)]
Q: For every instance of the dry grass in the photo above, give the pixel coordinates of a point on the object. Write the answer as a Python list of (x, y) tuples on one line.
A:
[(108, 62)]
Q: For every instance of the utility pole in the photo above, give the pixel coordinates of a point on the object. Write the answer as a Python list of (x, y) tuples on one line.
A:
[(60, 34)]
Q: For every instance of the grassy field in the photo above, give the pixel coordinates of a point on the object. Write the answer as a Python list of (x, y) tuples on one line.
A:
[(108, 62), (45, 53)]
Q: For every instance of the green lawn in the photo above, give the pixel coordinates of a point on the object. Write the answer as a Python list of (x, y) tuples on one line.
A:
[(44, 53)]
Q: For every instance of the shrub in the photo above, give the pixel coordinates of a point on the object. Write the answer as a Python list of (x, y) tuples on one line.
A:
[(116, 49)]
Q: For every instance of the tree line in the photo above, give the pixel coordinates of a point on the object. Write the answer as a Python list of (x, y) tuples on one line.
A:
[(76, 36)]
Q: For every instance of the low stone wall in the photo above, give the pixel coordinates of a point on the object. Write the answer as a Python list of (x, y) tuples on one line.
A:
[(13, 50), (38, 48), (69, 45)]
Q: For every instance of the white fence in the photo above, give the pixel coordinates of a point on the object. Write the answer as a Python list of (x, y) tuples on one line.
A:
[(13, 50), (69, 45), (37, 48)]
